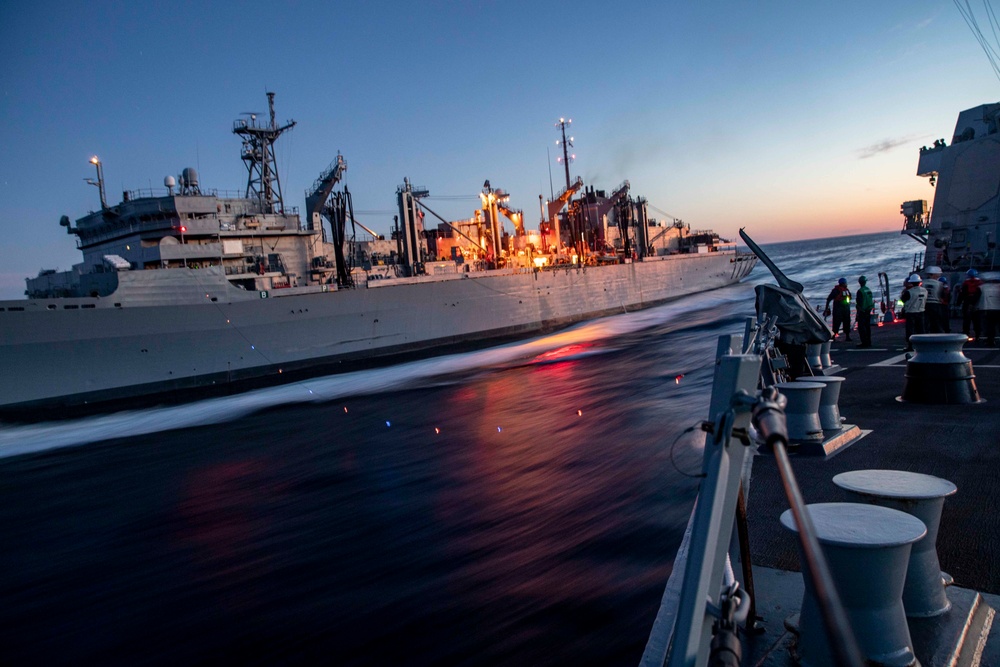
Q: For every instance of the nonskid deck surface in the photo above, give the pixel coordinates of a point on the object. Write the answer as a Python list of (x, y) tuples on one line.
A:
[(960, 443)]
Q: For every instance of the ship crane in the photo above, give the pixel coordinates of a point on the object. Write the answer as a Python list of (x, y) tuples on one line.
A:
[(587, 217), (677, 224), (338, 208), (619, 201), (564, 196), (316, 197), (491, 210), (625, 217), (677, 221), (620, 194), (557, 204), (409, 230), (338, 211), (515, 215)]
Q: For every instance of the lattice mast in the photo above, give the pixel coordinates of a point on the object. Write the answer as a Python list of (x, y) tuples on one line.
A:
[(258, 154)]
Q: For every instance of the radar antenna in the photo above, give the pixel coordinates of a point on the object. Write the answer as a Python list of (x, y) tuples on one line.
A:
[(258, 154)]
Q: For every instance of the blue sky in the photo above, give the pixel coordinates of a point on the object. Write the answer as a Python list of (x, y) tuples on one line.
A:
[(795, 120)]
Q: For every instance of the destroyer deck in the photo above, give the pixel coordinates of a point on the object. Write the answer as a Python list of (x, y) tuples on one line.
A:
[(960, 443)]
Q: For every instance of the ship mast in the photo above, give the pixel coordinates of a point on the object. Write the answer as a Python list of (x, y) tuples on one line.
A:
[(99, 183), (258, 154), (566, 145), (557, 203)]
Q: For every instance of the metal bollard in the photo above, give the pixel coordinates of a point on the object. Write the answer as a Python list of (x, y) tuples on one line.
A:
[(824, 355), (938, 372), (802, 411), (813, 351), (923, 497), (829, 411), (867, 548)]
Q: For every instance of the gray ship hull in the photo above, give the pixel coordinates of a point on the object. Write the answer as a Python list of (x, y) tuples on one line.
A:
[(164, 331)]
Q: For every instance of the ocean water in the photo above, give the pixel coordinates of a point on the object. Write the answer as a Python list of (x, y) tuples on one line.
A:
[(519, 504)]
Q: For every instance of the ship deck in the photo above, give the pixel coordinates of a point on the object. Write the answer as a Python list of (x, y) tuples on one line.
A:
[(956, 442)]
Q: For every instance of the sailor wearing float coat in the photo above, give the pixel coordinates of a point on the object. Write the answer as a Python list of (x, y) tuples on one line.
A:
[(914, 300), (934, 317)]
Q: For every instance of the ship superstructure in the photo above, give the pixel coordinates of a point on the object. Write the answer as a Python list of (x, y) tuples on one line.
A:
[(189, 288), (961, 229), (250, 237)]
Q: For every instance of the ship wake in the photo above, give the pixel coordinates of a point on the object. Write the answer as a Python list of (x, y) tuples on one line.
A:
[(588, 338)]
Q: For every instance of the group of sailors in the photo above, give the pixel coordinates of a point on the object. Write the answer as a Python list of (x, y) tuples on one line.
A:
[(978, 301), (840, 297), (925, 307)]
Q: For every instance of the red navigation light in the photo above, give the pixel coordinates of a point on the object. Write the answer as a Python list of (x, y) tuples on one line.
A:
[(183, 229)]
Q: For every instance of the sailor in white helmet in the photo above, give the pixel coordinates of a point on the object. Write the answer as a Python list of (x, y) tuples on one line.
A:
[(934, 317), (914, 300)]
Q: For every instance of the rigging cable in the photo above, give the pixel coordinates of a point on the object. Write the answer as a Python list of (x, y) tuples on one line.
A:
[(662, 212), (993, 20), (965, 9)]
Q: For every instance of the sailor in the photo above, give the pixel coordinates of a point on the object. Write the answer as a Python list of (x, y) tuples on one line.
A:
[(914, 300), (989, 307), (865, 304), (841, 298), (969, 293), (933, 315), (945, 303)]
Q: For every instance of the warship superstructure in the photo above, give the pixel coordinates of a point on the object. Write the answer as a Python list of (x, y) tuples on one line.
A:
[(192, 289), (960, 231)]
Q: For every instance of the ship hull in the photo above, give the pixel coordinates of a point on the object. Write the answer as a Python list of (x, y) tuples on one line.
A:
[(127, 346)]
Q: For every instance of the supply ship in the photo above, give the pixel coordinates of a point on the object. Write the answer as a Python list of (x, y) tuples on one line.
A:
[(189, 292)]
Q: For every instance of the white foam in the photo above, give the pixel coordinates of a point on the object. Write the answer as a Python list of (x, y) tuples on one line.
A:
[(33, 438)]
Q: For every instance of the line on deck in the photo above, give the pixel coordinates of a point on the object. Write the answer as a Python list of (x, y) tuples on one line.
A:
[(895, 361), (891, 361)]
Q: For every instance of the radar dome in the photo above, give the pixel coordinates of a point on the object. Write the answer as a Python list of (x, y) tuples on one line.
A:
[(190, 176), (169, 181)]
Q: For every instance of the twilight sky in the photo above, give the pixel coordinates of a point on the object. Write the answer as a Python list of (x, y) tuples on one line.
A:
[(793, 119)]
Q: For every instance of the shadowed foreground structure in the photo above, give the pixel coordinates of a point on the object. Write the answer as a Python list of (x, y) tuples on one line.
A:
[(955, 442)]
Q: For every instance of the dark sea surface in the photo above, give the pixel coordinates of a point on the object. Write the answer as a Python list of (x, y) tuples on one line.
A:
[(515, 505)]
